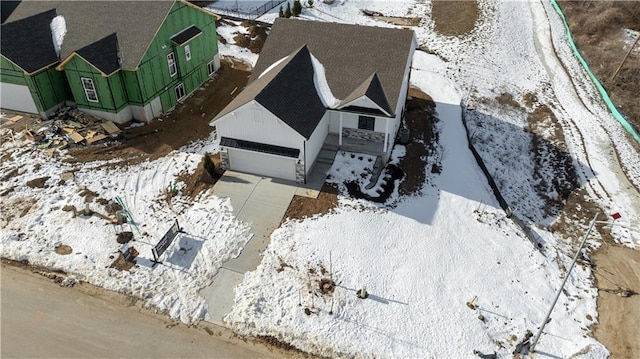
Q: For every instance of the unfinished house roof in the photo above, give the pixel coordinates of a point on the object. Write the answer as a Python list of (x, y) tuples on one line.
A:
[(94, 22)]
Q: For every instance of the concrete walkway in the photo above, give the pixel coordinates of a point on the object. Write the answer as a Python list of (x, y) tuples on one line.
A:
[(261, 202)]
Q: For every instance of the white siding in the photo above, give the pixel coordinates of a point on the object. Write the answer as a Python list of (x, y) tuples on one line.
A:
[(314, 144), (17, 98), (252, 122)]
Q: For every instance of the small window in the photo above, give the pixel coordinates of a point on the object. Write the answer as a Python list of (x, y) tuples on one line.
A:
[(366, 122), (187, 52), (180, 94), (211, 68), (89, 89), (171, 61)]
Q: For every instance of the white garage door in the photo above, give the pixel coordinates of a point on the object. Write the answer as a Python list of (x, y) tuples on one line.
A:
[(17, 98), (262, 164)]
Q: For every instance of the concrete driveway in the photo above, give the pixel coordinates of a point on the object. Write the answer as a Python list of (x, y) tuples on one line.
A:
[(260, 202)]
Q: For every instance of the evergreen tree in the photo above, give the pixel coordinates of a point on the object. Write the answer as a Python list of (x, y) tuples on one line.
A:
[(297, 8), (288, 13), (280, 13), (309, 3)]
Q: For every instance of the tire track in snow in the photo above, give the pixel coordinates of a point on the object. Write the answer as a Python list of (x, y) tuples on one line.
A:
[(599, 136)]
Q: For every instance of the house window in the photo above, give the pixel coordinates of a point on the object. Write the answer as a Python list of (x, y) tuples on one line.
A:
[(180, 94), (366, 122), (171, 61), (187, 52), (89, 89), (211, 68)]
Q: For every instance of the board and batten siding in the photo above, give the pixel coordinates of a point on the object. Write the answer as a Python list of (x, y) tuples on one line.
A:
[(253, 122), (315, 142)]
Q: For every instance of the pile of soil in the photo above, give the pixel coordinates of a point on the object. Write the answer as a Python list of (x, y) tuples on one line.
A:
[(188, 122), (254, 39)]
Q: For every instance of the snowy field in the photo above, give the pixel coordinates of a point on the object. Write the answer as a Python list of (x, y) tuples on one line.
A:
[(421, 260)]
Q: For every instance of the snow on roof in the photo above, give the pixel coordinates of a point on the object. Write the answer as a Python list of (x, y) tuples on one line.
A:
[(58, 30), (322, 86), (273, 66)]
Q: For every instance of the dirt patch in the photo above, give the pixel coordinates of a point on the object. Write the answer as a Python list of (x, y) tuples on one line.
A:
[(188, 122), (302, 207), (420, 118), (254, 39), (122, 264), (64, 249), (203, 178), (506, 99), (400, 21), (454, 18), (38, 182), (597, 28), (326, 286), (617, 269)]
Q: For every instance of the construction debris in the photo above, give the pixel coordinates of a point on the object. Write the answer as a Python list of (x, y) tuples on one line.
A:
[(68, 126)]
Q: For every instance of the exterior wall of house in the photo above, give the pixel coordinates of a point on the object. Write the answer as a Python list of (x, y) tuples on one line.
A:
[(252, 122), (153, 74), (111, 93), (315, 142), (48, 89)]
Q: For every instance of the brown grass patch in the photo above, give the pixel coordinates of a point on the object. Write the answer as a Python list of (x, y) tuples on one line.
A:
[(597, 31), (64, 249), (454, 18), (302, 207), (506, 99), (38, 182)]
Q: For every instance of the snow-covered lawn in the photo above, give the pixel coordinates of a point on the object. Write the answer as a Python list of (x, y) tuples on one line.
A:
[(34, 221), (421, 259)]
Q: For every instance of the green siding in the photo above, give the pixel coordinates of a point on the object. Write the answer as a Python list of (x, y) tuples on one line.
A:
[(11, 73), (124, 87), (110, 90), (153, 72), (48, 87)]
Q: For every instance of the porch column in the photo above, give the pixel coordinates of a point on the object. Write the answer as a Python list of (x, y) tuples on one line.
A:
[(386, 135), (340, 131)]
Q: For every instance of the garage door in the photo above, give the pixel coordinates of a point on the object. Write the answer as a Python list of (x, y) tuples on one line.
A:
[(262, 164), (17, 98)]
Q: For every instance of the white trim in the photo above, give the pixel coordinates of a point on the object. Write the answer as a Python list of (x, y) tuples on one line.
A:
[(171, 63), (386, 136), (340, 132), (367, 98), (187, 52), (184, 94), (88, 91)]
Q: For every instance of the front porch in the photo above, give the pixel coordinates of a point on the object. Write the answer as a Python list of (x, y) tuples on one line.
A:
[(351, 144)]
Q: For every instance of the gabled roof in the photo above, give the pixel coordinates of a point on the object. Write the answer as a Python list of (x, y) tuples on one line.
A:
[(349, 53), (88, 22), (28, 42), (288, 91), (186, 35), (103, 54), (372, 89)]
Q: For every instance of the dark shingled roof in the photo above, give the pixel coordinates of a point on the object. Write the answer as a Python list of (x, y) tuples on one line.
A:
[(288, 91), (103, 54), (260, 147), (135, 22), (186, 35), (371, 88), (349, 53), (28, 42)]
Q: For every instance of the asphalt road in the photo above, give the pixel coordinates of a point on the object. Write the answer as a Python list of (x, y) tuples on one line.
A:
[(41, 319)]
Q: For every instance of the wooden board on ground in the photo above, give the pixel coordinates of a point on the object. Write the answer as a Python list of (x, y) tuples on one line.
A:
[(96, 138), (14, 119), (402, 21), (76, 137), (110, 127)]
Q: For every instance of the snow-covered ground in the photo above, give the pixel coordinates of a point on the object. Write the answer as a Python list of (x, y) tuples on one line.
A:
[(228, 32), (421, 261)]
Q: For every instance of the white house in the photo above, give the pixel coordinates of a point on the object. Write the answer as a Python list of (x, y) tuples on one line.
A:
[(317, 82)]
